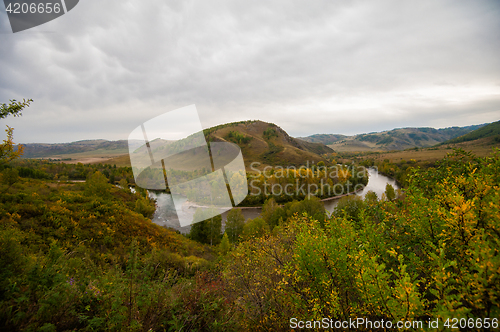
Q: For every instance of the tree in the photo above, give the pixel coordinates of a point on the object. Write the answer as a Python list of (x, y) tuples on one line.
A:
[(207, 231), (371, 197), (9, 177), (349, 207), (124, 184), (273, 213), (311, 205), (255, 228), (225, 246), (389, 192), (97, 184), (234, 224), (7, 151)]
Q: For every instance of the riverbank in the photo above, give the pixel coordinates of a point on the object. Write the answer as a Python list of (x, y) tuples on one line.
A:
[(192, 205), (166, 214)]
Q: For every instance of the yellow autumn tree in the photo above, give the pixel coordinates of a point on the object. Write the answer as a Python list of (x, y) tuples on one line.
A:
[(7, 148)]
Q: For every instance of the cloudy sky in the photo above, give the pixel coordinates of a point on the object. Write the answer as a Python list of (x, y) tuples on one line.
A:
[(309, 66)]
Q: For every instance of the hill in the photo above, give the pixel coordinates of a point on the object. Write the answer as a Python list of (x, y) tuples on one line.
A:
[(489, 130), (400, 139), (259, 141), (267, 143), (324, 138), (77, 149)]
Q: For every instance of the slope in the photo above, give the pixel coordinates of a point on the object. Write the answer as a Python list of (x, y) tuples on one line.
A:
[(267, 144), (490, 130), (400, 139)]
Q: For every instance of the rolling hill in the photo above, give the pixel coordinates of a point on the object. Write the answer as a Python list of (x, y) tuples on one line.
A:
[(396, 139), (75, 149), (261, 142), (326, 139), (489, 130)]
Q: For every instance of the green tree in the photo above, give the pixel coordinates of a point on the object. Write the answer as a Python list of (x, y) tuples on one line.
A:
[(349, 207), (272, 213), (390, 193), (311, 205), (255, 228), (7, 150), (371, 197), (207, 231), (10, 176), (225, 246), (234, 224), (97, 184), (124, 184)]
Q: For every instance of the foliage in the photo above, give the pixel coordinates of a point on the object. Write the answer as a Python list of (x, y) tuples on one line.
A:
[(225, 246), (269, 133), (238, 138), (492, 129), (7, 150), (390, 193), (273, 213), (206, 231), (431, 253), (234, 225), (13, 108), (285, 184), (76, 258), (255, 228)]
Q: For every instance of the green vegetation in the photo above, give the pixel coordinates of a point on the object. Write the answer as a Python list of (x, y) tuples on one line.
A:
[(323, 138), (238, 138), (45, 169), (432, 252), (490, 130), (85, 256), (269, 133), (286, 184), (398, 139), (235, 221), (8, 151)]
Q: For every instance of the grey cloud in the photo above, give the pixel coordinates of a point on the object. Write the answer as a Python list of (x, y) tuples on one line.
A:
[(283, 62)]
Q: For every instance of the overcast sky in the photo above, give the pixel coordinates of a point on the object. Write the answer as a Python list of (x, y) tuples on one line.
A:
[(311, 67)]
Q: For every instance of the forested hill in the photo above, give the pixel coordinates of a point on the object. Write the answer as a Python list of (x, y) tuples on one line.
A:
[(396, 139), (489, 130), (267, 143)]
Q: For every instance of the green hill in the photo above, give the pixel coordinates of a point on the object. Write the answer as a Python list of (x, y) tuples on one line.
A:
[(489, 130), (400, 138)]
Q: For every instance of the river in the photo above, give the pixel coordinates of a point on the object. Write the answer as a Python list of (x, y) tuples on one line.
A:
[(165, 214)]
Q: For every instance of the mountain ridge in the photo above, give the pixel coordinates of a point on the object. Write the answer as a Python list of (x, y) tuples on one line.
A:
[(394, 139)]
